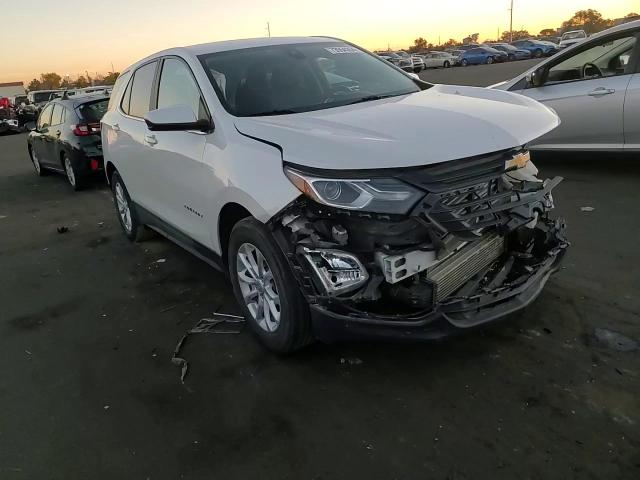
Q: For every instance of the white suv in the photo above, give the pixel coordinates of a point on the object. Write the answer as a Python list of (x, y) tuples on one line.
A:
[(343, 197)]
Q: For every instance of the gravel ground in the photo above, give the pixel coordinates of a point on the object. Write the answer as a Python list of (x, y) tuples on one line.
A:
[(89, 321)]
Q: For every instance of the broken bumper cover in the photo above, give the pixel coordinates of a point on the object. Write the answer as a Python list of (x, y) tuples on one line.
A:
[(332, 323)]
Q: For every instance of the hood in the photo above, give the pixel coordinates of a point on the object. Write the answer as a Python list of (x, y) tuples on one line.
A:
[(442, 123)]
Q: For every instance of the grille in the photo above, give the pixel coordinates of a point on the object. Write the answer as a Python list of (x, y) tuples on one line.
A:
[(468, 197), (455, 271)]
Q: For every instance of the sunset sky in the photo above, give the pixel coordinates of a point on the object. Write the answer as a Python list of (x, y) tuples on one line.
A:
[(71, 37)]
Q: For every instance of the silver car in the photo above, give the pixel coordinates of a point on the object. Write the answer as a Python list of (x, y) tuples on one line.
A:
[(594, 86)]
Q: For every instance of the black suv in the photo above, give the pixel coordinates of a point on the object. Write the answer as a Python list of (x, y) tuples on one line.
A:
[(66, 138)]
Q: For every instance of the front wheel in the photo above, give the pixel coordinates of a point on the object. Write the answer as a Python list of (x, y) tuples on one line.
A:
[(464, 62), (446, 64), (489, 60), (266, 289), (41, 172), (537, 53)]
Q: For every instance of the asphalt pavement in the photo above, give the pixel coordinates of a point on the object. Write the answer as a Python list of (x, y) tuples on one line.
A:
[(478, 75), (89, 322)]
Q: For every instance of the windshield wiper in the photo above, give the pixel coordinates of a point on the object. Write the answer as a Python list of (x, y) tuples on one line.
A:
[(371, 98), (271, 112)]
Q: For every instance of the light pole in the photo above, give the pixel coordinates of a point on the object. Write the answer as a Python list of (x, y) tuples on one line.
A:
[(269, 29), (511, 22)]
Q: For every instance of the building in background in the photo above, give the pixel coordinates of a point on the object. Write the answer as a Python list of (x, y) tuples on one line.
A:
[(12, 89)]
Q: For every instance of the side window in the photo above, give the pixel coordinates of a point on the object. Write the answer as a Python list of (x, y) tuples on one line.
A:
[(126, 98), (140, 95), (604, 59), (56, 116), (45, 117), (178, 87), (117, 88)]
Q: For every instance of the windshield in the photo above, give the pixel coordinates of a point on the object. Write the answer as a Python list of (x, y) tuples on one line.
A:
[(572, 35), (296, 78), (39, 97)]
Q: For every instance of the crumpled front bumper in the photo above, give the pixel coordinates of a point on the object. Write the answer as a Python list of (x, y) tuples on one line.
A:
[(447, 319)]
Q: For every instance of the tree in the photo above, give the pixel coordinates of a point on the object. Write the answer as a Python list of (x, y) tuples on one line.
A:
[(419, 44), (517, 35), (34, 85), (110, 78), (65, 83), (81, 82), (50, 81), (591, 21), (450, 43), (547, 32), (632, 15)]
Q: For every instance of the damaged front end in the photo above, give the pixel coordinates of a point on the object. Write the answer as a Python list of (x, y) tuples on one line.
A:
[(420, 252)]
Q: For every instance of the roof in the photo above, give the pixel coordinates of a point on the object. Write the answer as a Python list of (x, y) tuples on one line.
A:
[(228, 45)]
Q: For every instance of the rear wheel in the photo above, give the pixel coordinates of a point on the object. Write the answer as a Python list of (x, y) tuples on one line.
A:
[(129, 221), (75, 178), (266, 289), (446, 64)]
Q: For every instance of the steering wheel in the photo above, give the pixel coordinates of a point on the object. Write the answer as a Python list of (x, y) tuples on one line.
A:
[(592, 66)]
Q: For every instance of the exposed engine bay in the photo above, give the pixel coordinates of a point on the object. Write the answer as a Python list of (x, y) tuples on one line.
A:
[(480, 229)]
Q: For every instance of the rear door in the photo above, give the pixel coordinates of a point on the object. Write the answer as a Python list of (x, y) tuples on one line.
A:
[(587, 90), (126, 137), (632, 114), (178, 156)]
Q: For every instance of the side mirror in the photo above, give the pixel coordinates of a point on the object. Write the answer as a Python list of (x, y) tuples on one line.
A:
[(536, 78), (176, 118)]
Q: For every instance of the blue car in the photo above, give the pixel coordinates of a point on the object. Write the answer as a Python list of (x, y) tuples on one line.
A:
[(538, 48), (512, 52), (480, 55)]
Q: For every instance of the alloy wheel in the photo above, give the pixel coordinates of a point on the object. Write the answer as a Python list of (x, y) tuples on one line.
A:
[(123, 207), (36, 162), (258, 287), (69, 169)]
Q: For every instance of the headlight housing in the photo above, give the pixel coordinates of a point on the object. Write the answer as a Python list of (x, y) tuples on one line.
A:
[(379, 195)]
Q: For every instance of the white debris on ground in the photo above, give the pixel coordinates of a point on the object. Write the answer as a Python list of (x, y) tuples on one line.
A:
[(587, 209)]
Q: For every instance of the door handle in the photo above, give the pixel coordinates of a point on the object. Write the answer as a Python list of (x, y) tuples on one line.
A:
[(150, 139), (115, 127), (598, 92)]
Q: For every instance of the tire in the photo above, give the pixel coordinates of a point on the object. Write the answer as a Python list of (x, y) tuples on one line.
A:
[(489, 60), (537, 53), (417, 70), (37, 167), (286, 327), (132, 228), (74, 177), (446, 64), (464, 62)]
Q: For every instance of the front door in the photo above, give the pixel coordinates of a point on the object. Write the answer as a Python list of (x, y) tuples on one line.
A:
[(39, 143), (178, 157), (588, 90)]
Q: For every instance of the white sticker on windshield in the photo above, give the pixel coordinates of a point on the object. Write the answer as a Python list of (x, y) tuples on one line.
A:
[(339, 50)]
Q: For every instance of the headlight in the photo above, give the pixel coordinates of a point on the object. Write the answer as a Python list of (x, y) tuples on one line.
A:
[(381, 195)]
